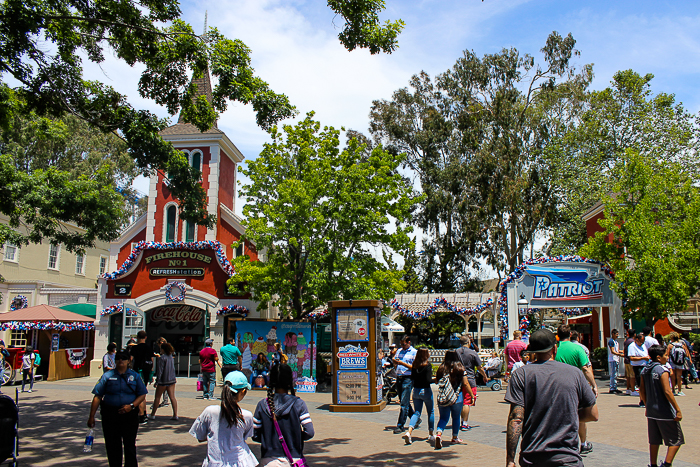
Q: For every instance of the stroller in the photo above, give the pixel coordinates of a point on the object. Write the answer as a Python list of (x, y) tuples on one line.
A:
[(9, 434), (389, 389)]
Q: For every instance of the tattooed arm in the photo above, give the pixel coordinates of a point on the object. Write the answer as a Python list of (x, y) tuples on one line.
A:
[(515, 428)]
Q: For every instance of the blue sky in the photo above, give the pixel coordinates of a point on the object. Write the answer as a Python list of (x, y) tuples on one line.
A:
[(295, 49)]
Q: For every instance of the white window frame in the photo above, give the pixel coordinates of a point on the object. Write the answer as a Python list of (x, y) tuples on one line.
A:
[(133, 245), (57, 266), (183, 234), (18, 338), (79, 264), (165, 221), (103, 268), (15, 257), (234, 254)]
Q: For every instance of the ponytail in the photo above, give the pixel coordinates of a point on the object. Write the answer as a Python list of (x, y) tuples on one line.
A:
[(280, 378), (230, 410)]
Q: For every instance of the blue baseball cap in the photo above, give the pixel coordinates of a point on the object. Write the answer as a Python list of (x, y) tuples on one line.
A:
[(238, 381)]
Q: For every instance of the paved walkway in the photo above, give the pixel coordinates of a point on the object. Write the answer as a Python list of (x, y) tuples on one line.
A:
[(53, 429)]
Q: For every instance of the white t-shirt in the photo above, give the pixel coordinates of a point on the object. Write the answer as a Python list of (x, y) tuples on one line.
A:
[(649, 341), (615, 346), (226, 446), (634, 350), (516, 365)]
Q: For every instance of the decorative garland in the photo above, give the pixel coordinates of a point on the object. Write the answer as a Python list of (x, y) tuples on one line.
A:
[(440, 302), (143, 245), (520, 270), (524, 325), (118, 308), (76, 357), (230, 309), (24, 303), (46, 326), (318, 314), (169, 288)]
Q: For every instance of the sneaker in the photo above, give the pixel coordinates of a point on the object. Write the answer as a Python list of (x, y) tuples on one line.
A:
[(438, 442), (680, 393), (31, 391), (457, 441), (586, 447), (151, 417), (398, 430), (164, 404), (431, 439), (143, 420), (628, 392), (635, 393), (407, 438), (465, 427), (641, 404)]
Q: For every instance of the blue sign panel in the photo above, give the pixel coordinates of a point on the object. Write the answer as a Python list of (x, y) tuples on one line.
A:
[(351, 357)]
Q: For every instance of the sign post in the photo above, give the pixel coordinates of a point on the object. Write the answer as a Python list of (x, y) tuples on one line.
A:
[(356, 339)]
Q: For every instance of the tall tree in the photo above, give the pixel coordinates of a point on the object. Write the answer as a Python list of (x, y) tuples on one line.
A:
[(41, 45), (476, 138), (651, 236), (318, 213)]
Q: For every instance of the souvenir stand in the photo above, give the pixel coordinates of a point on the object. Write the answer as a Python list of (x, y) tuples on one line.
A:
[(356, 338), (64, 340)]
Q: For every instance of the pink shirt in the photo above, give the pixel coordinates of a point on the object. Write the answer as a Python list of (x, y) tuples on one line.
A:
[(513, 350), (207, 354)]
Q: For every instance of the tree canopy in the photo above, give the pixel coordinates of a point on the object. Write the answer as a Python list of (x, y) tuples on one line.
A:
[(320, 215), (43, 46)]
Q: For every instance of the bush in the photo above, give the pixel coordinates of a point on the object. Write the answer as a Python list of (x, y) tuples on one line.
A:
[(600, 356)]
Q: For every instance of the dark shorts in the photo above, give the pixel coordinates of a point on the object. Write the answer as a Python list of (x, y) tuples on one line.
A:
[(667, 431), (145, 376)]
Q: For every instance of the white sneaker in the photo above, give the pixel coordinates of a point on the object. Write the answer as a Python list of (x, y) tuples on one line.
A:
[(31, 391), (407, 438), (635, 393), (628, 392), (431, 439), (151, 417)]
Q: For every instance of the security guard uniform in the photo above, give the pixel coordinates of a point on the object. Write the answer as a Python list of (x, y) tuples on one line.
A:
[(117, 390)]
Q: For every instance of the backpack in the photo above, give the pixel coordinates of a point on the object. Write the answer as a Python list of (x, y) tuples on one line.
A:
[(677, 356), (446, 393)]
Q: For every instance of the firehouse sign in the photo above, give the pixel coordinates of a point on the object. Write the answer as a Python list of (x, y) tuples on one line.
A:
[(177, 263)]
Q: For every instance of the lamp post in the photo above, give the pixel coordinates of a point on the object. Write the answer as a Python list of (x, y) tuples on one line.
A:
[(522, 305)]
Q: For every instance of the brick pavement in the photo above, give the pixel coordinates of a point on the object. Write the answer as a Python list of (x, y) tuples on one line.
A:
[(53, 429)]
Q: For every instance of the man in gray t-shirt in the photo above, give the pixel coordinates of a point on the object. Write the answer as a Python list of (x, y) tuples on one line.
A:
[(471, 361), (548, 413)]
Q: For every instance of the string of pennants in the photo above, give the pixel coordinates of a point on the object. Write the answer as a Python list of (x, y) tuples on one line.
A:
[(46, 326), (440, 302)]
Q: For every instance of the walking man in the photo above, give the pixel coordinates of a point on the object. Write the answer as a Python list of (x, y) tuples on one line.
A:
[(471, 361), (514, 349), (548, 400), (230, 358), (142, 356), (208, 359), (613, 364), (629, 372), (404, 382), (118, 394), (574, 355)]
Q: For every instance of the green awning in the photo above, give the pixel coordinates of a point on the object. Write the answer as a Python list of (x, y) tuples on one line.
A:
[(85, 309)]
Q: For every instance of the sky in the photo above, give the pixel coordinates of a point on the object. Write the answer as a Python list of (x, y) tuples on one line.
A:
[(296, 50)]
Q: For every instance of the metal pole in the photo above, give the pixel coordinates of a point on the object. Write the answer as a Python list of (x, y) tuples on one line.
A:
[(188, 364)]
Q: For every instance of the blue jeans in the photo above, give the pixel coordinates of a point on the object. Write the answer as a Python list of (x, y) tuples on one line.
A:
[(455, 410), (405, 389), (420, 397), (209, 384), (612, 368)]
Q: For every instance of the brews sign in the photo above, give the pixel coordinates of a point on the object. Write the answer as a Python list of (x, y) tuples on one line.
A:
[(352, 358)]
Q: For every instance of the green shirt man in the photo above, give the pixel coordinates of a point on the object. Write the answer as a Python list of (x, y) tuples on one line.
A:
[(571, 354), (230, 358)]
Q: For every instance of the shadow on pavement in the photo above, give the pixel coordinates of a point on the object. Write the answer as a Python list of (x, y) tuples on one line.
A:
[(315, 450)]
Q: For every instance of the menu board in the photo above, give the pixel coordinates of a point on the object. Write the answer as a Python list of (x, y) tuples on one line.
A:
[(353, 387), (352, 325)]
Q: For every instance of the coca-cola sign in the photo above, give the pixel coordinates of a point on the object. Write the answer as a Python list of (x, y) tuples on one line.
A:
[(177, 313)]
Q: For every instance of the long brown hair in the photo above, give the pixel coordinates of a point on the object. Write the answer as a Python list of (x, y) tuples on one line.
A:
[(167, 348), (422, 357), (451, 366), (230, 410), (280, 378)]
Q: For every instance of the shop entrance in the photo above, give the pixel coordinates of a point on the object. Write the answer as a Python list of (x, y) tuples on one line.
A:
[(183, 326)]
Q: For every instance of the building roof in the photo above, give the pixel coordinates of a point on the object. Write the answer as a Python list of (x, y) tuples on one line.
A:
[(44, 313), (181, 128)]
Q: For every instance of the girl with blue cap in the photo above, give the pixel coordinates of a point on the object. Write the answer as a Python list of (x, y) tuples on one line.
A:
[(225, 428)]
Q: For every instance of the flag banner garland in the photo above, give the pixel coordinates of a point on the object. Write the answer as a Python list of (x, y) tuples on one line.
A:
[(440, 302), (144, 245), (46, 326), (24, 303), (110, 310), (76, 357), (233, 309), (169, 288), (524, 324), (520, 270)]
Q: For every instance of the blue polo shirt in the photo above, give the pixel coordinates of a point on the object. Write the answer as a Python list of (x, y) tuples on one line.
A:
[(119, 389), (406, 356)]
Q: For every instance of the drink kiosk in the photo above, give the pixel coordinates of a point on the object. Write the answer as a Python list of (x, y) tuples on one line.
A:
[(356, 339)]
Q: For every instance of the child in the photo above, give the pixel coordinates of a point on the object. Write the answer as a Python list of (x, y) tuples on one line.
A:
[(524, 360), (28, 364), (226, 427), (291, 415), (662, 411)]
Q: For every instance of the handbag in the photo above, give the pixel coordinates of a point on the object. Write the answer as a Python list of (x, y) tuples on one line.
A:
[(200, 382), (446, 393), (301, 462)]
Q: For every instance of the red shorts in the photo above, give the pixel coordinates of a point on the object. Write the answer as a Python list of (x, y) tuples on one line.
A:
[(469, 399)]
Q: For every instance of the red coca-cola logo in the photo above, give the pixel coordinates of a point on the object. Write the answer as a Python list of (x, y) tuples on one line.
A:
[(180, 314)]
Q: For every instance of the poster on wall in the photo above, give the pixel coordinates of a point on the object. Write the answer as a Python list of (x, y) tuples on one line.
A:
[(352, 325), (353, 387), (256, 337)]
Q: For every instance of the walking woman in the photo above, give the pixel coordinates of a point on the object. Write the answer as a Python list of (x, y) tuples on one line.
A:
[(281, 415), (28, 365), (677, 351), (453, 368), (226, 427), (422, 376), (165, 380)]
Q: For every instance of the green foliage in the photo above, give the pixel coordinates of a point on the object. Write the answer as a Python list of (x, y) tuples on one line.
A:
[(477, 137), (317, 212), (435, 330), (41, 45), (600, 355), (653, 220)]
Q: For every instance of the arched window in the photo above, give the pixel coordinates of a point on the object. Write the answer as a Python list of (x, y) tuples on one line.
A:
[(190, 229), (170, 223), (197, 160)]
